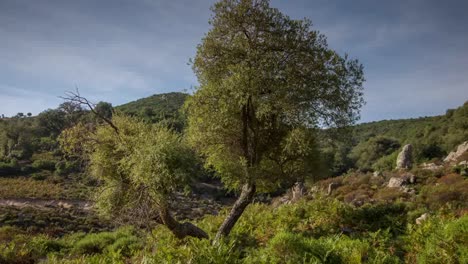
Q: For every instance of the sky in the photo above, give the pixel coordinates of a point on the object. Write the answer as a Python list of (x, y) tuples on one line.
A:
[(415, 52)]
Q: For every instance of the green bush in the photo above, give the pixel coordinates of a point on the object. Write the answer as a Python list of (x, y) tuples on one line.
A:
[(123, 241), (44, 164), (438, 240), (381, 216), (9, 169), (43, 245), (65, 167)]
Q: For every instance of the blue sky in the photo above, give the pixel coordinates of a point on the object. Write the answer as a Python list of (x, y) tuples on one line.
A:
[(415, 52)]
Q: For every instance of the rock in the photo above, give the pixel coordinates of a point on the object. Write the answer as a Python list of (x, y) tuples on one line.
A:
[(377, 174), (314, 189), (408, 190), (405, 157), (332, 186), (430, 166), (454, 155), (298, 191), (463, 163), (65, 205), (409, 178), (396, 182), (422, 218)]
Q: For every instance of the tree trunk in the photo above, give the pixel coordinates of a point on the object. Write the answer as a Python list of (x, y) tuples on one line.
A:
[(246, 197), (180, 230)]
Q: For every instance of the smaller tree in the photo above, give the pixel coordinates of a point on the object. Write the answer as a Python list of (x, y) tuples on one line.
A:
[(140, 166), (104, 109), (366, 153)]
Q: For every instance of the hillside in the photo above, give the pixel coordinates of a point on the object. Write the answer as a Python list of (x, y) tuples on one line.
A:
[(46, 198), (433, 137), (157, 107)]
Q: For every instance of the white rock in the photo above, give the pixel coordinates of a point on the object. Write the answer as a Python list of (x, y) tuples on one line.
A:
[(454, 155), (422, 218), (396, 182), (405, 157)]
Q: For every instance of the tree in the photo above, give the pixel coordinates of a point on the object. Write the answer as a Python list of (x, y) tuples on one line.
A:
[(140, 166), (366, 153), (52, 120), (266, 81), (104, 109)]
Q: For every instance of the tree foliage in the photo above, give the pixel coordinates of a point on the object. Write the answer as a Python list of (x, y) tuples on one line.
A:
[(266, 81), (367, 153), (140, 166)]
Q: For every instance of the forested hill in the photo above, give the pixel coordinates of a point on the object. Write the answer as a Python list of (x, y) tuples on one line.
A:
[(157, 107), (374, 145), (369, 146)]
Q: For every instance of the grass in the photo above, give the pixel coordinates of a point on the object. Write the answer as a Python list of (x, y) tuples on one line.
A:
[(45, 187), (310, 231)]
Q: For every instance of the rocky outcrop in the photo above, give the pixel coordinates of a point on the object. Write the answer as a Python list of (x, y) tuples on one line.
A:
[(400, 182), (430, 166), (405, 157), (396, 182), (454, 155)]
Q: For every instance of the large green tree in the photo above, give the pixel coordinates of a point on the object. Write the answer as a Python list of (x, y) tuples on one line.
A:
[(266, 81)]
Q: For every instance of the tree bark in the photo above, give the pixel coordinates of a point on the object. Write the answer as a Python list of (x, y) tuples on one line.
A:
[(245, 198), (180, 230)]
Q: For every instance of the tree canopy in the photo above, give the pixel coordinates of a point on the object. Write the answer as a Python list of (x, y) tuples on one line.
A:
[(266, 81)]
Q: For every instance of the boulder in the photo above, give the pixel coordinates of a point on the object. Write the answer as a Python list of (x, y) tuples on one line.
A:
[(454, 155), (409, 178), (430, 166), (405, 157), (377, 174), (396, 182), (332, 186), (422, 218), (298, 191)]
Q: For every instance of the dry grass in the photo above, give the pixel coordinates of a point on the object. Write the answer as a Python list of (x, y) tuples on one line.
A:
[(24, 187)]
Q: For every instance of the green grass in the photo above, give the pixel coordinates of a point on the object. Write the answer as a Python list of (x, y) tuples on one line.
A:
[(311, 231)]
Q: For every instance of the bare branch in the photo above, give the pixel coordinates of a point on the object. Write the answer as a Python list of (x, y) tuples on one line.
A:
[(76, 98)]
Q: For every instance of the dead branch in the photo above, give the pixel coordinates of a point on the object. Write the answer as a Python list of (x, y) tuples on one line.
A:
[(76, 98)]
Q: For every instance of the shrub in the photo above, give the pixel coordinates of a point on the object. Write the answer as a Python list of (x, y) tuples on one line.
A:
[(122, 241), (39, 176), (43, 245), (438, 240), (451, 189), (8, 169), (65, 167), (373, 217), (44, 165), (389, 194)]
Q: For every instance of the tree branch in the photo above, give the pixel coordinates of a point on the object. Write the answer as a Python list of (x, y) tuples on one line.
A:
[(76, 98)]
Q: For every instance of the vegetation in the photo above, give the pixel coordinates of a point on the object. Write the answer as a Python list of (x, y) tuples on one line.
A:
[(321, 230), (90, 183), (158, 108)]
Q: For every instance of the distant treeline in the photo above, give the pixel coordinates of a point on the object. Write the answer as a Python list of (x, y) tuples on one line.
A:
[(31, 141)]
